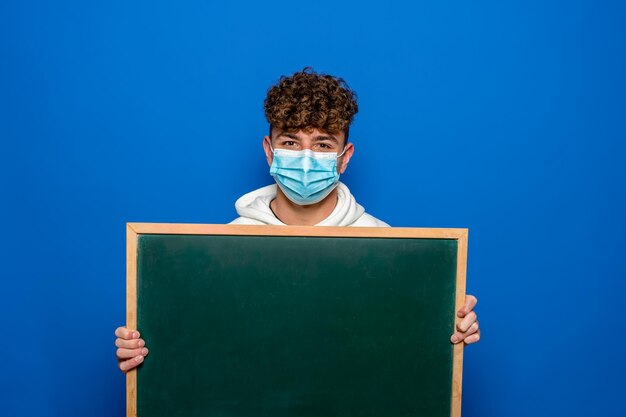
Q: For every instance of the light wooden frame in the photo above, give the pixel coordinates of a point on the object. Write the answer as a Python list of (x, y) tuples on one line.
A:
[(133, 230)]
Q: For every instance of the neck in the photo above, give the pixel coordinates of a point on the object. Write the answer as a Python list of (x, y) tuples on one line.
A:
[(293, 214)]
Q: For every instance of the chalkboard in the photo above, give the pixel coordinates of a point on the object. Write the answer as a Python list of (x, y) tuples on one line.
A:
[(295, 321)]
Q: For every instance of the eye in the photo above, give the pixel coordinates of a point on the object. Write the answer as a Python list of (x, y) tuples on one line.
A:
[(326, 147), (289, 143)]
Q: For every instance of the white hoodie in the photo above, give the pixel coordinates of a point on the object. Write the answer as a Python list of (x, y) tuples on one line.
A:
[(254, 208)]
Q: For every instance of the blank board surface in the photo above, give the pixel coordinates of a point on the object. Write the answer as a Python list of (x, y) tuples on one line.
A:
[(252, 325)]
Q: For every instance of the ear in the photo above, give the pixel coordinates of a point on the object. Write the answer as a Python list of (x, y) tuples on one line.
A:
[(267, 147), (345, 158)]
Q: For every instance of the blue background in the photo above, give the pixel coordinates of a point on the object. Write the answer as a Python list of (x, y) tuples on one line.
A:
[(504, 117)]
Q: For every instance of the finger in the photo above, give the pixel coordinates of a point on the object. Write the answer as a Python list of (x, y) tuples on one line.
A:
[(470, 303), (129, 364), (461, 336), (124, 333), (472, 338), (122, 353), (466, 322), (130, 344), (474, 328)]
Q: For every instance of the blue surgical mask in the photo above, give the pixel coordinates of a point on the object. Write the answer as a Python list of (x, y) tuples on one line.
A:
[(306, 177)]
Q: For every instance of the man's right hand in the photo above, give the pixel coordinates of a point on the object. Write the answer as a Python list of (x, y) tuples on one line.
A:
[(131, 350)]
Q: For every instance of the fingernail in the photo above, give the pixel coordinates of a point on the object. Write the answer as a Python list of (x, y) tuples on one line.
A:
[(454, 339), (139, 359), (141, 343), (144, 351), (135, 335)]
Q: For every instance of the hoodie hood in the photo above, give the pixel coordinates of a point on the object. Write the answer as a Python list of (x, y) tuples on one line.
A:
[(254, 208)]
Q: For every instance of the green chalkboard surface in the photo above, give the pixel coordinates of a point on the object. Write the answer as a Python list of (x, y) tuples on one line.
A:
[(270, 325)]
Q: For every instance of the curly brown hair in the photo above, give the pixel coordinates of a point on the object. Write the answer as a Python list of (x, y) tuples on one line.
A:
[(308, 100)]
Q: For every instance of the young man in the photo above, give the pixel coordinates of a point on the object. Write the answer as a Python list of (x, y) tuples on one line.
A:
[(307, 150)]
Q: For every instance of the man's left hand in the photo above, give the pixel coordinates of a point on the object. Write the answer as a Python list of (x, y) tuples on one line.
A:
[(467, 330)]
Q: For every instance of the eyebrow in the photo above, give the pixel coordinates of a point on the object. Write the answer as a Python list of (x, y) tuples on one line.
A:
[(326, 137), (289, 135)]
